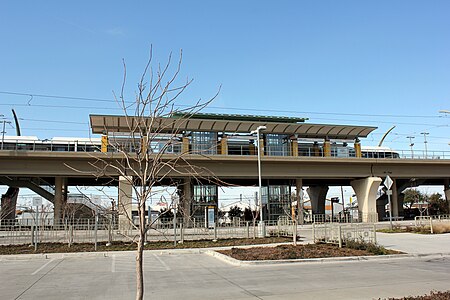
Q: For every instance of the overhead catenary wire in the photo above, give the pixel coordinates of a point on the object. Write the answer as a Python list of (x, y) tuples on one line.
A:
[(212, 107)]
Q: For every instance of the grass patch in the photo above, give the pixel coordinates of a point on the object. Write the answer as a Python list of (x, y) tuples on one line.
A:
[(438, 228)]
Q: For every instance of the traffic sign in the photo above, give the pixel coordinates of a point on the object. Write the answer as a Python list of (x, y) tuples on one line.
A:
[(37, 201), (388, 182)]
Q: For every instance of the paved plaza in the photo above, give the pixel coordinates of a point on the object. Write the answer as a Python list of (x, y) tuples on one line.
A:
[(189, 274)]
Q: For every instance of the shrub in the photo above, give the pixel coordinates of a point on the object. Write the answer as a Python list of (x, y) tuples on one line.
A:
[(370, 247)]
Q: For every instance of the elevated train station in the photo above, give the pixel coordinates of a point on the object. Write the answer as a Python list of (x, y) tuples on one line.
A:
[(294, 154)]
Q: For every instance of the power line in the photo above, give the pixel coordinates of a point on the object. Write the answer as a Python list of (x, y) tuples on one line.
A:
[(56, 97), (331, 119), (213, 107)]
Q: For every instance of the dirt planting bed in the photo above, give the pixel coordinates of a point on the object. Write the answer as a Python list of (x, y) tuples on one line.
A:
[(122, 246), (302, 252)]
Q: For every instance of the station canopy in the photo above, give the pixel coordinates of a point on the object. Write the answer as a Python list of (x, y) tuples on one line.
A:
[(179, 123)]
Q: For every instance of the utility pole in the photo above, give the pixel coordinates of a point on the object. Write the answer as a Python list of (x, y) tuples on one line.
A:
[(425, 142), (3, 131), (411, 144)]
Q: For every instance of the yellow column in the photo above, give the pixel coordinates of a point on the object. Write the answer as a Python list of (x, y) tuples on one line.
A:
[(185, 146), (252, 149), (358, 152), (261, 146), (224, 146), (144, 144), (327, 148), (316, 149), (104, 143), (294, 145)]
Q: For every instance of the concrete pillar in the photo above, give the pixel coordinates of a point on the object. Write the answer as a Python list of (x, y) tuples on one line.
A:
[(447, 192), (366, 192), (8, 204), (124, 206), (317, 195), (299, 198), (185, 193), (60, 200), (394, 198)]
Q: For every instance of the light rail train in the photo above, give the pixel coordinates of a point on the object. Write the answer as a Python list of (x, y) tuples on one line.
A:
[(237, 145)]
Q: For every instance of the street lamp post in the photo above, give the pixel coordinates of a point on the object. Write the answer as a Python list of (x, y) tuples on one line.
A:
[(411, 144), (261, 220), (3, 131)]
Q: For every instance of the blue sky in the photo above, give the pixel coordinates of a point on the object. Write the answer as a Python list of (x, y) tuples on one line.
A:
[(377, 63)]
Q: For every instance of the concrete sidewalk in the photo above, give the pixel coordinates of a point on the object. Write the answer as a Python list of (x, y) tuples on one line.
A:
[(414, 243)]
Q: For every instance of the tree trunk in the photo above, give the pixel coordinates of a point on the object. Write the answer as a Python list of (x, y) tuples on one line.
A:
[(139, 267)]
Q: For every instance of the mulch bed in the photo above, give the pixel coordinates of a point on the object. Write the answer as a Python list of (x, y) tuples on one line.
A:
[(295, 252), (123, 246), (431, 296)]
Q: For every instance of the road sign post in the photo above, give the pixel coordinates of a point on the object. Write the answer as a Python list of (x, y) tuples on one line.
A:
[(37, 201), (388, 184)]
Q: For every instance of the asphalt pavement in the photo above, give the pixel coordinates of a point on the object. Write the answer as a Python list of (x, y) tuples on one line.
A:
[(192, 274)]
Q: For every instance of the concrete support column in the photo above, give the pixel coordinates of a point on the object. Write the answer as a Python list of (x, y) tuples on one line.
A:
[(317, 195), (60, 200), (124, 206), (394, 199), (185, 193), (366, 192), (8, 204), (447, 192), (299, 199)]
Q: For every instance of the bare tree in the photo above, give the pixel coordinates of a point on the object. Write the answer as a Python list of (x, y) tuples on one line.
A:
[(150, 151)]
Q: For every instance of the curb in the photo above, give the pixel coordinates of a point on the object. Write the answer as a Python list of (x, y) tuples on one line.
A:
[(118, 253), (236, 262)]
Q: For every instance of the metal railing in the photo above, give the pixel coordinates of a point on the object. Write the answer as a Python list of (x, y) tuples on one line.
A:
[(214, 148), (26, 231), (340, 233), (425, 220)]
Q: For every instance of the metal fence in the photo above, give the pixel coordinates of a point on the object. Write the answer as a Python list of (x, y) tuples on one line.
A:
[(340, 233), (427, 220), (107, 230), (345, 218)]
